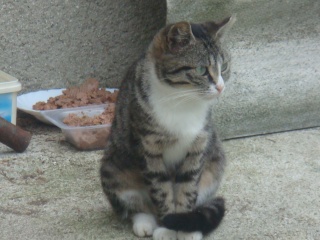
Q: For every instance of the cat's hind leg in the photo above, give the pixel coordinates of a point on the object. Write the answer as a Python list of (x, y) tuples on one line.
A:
[(136, 206), (129, 198), (208, 186), (144, 224)]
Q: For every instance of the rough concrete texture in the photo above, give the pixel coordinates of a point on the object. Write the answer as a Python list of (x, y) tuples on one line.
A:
[(275, 46), (58, 43), (52, 191)]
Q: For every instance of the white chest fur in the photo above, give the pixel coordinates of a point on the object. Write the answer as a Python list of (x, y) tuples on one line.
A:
[(182, 116)]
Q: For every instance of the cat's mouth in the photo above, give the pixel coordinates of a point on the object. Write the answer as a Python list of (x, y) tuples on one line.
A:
[(213, 92)]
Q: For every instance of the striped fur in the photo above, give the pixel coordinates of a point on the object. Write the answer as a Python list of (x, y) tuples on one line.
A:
[(163, 158)]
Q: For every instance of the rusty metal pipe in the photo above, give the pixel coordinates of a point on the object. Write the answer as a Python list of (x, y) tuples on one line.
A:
[(13, 136)]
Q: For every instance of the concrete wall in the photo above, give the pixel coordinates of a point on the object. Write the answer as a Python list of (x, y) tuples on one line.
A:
[(275, 46), (57, 43)]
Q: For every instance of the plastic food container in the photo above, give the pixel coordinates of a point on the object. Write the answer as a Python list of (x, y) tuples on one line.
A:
[(83, 138), (9, 86)]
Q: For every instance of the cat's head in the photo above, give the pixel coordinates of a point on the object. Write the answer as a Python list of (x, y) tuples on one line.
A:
[(190, 57)]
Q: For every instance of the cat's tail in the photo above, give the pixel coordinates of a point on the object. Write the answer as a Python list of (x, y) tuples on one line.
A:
[(204, 218)]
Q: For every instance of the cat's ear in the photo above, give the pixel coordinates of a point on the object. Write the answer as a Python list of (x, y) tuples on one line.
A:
[(224, 26), (179, 36)]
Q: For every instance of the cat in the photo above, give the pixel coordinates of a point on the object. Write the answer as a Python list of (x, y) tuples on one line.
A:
[(163, 161)]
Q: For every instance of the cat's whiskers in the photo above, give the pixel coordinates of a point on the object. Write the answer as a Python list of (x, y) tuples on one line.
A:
[(176, 98), (177, 95), (186, 100), (180, 91)]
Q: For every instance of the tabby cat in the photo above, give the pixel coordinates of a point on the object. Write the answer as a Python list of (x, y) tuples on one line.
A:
[(163, 162)]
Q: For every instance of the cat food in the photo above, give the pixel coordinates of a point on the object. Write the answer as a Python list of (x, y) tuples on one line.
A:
[(83, 135), (87, 93), (105, 117), (88, 139)]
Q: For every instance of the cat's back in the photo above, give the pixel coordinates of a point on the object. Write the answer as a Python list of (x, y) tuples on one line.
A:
[(128, 107)]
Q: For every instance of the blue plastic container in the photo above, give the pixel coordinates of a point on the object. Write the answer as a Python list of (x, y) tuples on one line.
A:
[(9, 86)]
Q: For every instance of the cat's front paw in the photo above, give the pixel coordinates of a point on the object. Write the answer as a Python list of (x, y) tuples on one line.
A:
[(162, 233), (189, 236), (143, 224)]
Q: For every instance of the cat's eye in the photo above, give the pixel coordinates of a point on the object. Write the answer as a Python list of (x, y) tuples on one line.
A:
[(224, 67), (201, 70)]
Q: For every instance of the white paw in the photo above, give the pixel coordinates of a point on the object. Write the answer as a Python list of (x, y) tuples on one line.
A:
[(143, 224), (162, 233), (189, 236)]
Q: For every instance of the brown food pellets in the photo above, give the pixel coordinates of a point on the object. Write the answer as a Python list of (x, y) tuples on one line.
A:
[(105, 117), (86, 94)]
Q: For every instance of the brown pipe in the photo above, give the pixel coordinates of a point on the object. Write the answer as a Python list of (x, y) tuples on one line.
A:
[(13, 136)]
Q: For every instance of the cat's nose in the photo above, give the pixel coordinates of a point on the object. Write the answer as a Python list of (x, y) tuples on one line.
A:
[(220, 88)]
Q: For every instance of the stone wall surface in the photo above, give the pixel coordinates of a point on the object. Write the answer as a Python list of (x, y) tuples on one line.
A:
[(58, 43), (275, 83)]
